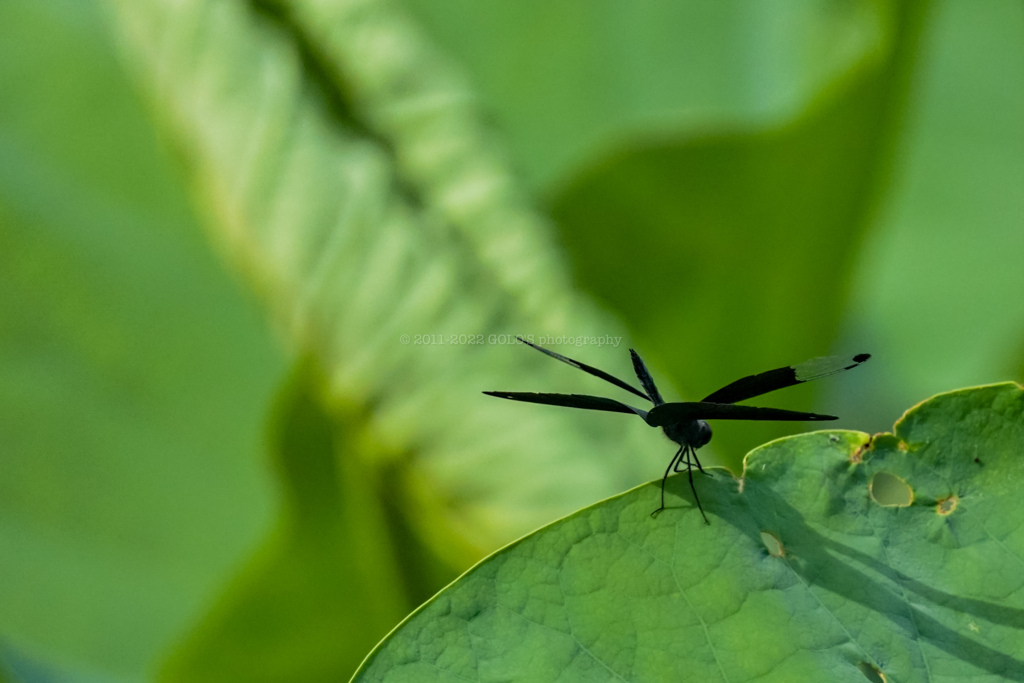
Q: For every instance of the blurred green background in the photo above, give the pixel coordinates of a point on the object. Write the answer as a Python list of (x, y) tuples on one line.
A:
[(218, 458)]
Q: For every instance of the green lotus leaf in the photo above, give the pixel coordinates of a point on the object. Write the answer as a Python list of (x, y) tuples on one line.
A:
[(806, 572)]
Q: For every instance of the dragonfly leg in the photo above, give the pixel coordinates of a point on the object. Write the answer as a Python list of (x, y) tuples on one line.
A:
[(682, 462), (689, 471), (668, 469), (697, 460)]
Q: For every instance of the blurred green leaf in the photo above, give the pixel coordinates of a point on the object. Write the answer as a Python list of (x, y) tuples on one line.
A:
[(730, 253), (342, 167), (801, 576), (134, 377), (711, 167), (328, 584), (568, 80), (950, 239)]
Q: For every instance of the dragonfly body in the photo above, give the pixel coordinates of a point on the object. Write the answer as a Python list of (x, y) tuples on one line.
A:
[(693, 433), (686, 423)]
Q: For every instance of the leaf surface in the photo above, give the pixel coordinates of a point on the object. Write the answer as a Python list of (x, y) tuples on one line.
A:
[(800, 576)]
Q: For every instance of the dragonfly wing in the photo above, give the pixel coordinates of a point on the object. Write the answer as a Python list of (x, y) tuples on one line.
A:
[(779, 378), (673, 413), (646, 381), (589, 369), (571, 401)]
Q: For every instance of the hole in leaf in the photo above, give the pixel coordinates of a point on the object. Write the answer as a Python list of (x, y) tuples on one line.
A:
[(872, 672), (947, 505), (773, 544), (888, 490)]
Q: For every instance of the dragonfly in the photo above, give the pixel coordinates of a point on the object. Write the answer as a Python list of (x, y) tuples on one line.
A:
[(685, 423)]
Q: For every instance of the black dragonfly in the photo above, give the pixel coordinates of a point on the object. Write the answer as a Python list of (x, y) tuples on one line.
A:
[(685, 423)]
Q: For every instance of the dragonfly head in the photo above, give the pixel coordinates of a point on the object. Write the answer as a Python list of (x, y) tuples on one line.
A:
[(695, 433)]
